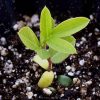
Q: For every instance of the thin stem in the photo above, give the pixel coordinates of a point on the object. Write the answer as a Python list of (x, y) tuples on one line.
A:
[(50, 65)]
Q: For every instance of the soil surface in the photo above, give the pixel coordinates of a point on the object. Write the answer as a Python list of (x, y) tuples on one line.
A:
[(19, 75)]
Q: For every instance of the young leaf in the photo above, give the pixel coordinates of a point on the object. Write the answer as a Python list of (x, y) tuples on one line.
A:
[(70, 39), (42, 62), (64, 80), (61, 45), (52, 52), (59, 57), (29, 38), (45, 24), (53, 23), (44, 54), (70, 26)]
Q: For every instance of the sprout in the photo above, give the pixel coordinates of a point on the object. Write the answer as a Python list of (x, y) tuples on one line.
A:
[(58, 39)]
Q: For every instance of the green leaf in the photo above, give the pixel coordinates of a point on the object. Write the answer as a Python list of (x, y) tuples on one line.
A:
[(45, 25), (59, 57), (29, 38), (64, 80), (71, 40), (44, 54), (53, 23), (52, 52), (42, 62), (70, 26), (61, 45)]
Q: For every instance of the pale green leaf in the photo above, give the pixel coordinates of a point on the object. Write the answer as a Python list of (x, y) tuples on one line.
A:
[(42, 62), (52, 52), (70, 26), (45, 25), (64, 80), (53, 23), (61, 45), (70, 39), (59, 57), (29, 38), (44, 54)]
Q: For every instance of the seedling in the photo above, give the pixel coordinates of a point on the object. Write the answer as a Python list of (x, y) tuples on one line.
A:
[(55, 44)]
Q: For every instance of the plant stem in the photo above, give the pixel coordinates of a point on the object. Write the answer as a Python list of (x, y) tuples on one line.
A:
[(50, 65)]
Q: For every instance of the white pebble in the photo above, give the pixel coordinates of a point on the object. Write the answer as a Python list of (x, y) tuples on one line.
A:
[(90, 34), (89, 82), (28, 88), (98, 43), (91, 17), (95, 58), (34, 19), (0, 97), (29, 95), (61, 95), (96, 30), (3, 40), (81, 62), (77, 73), (47, 91), (15, 27), (70, 73), (4, 81), (73, 69), (4, 52), (77, 44), (83, 39), (68, 68), (79, 99), (35, 95)]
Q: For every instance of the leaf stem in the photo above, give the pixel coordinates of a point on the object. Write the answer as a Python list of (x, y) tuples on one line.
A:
[(50, 64)]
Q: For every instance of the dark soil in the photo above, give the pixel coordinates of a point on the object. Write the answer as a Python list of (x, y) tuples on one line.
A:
[(19, 75)]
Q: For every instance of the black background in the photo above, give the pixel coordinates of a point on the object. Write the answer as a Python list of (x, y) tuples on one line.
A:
[(60, 9)]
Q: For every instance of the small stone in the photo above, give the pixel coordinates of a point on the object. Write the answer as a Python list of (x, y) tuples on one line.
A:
[(29, 95), (90, 34), (96, 30), (35, 95), (28, 88), (79, 99), (73, 69), (15, 27), (34, 19), (21, 24), (83, 39), (94, 93), (3, 40), (81, 62), (83, 91), (4, 81), (68, 68), (89, 82), (89, 73), (96, 58), (70, 73), (91, 17), (76, 81), (62, 95), (4, 52), (98, 43), (47, 91), (77, 88), (77, 72), (0, 97), (77, 44)]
